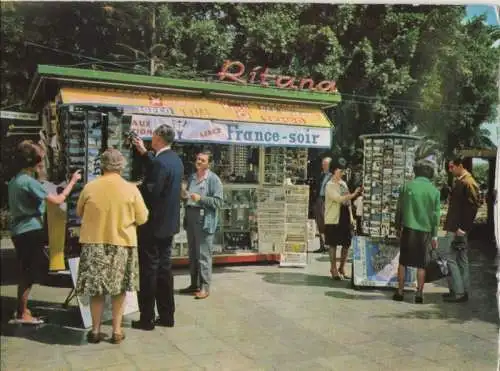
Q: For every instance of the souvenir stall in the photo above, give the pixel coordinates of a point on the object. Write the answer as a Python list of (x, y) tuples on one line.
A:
[(259, 137), (387, 166)]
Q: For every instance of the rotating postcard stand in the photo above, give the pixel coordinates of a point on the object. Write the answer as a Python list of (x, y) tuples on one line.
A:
[(86, 134), (387, 166)]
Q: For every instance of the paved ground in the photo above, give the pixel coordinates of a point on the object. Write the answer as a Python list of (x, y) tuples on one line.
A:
[(267, 318)]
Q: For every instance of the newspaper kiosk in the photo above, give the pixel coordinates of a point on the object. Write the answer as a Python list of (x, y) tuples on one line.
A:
[(259, 135)]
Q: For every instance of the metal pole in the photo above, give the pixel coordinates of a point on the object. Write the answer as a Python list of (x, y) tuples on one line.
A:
[(153, 40)]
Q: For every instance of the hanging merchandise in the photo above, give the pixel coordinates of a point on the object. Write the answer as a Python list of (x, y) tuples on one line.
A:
[(296, 218), (388, 165), (271, 219)]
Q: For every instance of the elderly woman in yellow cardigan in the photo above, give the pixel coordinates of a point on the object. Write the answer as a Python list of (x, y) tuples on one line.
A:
[(111, 209), (338, 217)]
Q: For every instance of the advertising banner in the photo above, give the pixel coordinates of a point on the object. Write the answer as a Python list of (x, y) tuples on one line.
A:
[(376, 263), (199, 108), (210, 131)]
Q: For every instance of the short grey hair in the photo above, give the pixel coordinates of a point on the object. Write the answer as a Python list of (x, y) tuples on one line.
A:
[(424, 168), (329, 159), (166, 133), (113, 161)]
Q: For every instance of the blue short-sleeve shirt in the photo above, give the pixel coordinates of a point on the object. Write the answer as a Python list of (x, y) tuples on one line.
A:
[(26, 204), (197, 186)]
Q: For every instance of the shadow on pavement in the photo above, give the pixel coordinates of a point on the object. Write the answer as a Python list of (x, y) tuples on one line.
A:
[(356, 295), (323, 258), (435, 308), (482, 304), (47, 334), (9, 271), (62, 326), (52, 313), (302, 279)]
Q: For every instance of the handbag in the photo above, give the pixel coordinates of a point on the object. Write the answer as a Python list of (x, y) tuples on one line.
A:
[(437, 267)]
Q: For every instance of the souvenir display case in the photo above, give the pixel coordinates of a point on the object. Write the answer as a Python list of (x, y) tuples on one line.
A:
[(81, 145), (249, 220), (388, 165), (259, 138), (281, 163), (85, 135), (263, 212)]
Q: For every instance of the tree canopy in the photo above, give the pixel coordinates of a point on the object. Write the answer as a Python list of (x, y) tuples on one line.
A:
[(399, 68)]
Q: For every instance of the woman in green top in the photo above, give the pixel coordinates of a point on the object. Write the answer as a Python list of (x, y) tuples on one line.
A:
[(27, 198), (417, 221)]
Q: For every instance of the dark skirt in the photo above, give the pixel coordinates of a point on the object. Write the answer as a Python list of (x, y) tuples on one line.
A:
[(32, 256), (414, 248), (339, 234)]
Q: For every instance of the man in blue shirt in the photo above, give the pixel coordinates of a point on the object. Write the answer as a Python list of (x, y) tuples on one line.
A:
[(203, 197), (319, 206)]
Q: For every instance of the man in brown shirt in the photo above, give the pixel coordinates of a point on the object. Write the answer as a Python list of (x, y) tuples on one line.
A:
[(463, 205)]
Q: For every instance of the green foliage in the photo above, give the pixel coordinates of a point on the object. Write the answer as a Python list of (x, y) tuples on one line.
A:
[(480, 172), (460, 91), (398, 67)]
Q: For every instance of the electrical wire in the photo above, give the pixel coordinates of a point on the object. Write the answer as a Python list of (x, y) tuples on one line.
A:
[(106, 62), (394, 99), (369, 100), (409, 107), (80, 56)]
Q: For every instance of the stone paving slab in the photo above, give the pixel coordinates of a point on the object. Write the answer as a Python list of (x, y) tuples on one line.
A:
[(270, 318)]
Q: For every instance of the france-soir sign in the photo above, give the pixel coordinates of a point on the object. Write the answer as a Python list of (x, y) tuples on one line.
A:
[(235, 71)]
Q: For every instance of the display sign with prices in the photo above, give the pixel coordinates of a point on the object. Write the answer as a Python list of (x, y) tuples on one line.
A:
[(130, 306), (376, 261)]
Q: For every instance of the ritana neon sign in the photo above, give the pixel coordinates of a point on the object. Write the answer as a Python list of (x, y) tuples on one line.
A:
[(235, 71)]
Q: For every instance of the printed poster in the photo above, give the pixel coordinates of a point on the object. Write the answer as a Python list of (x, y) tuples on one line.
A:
[(131, 303), (376, 263)]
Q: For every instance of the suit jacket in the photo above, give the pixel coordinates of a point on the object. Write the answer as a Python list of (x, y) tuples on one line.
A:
[(320, 182), (464, 204), (161, 190)]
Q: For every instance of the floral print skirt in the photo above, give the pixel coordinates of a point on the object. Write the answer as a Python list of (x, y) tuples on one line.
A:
[(107, 270)]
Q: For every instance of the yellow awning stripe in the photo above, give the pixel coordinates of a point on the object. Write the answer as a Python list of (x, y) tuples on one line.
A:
[(199, 107)]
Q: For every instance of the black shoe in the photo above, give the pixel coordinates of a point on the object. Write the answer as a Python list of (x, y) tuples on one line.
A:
[(319, 251), (189, 290), (452, 295), (165, 323), (398, 297), (419, 299), (457, 299), (143, 325)]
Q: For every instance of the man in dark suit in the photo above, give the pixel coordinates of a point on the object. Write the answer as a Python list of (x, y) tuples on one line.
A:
[(161, 190)]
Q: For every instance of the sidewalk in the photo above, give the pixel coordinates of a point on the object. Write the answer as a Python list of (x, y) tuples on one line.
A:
[(267, 318)]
